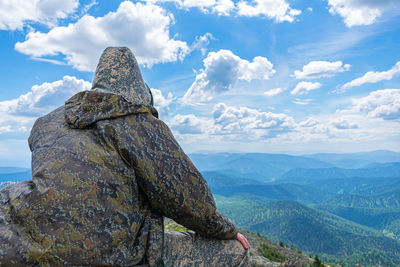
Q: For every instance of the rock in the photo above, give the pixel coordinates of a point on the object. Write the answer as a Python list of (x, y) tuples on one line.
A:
[(260, 246), (260, 261)]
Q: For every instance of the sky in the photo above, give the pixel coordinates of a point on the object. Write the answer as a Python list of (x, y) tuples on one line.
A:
[(271, 76)]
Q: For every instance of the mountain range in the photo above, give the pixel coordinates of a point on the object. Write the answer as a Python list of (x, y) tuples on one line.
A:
[(343, 207)]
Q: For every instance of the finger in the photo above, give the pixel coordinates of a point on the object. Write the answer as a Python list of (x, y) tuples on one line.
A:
[(244, 242), (240, 239), (248, 244)]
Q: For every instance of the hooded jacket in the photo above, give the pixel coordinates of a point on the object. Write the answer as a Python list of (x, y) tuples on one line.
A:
[(105, 172)]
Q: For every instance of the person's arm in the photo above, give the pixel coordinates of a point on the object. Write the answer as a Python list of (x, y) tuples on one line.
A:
[(169, 179)]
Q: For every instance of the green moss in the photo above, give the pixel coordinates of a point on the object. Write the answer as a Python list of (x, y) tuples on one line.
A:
[(271, 253)]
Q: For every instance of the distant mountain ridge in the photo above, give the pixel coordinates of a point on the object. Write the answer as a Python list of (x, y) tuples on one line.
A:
[(256, 166), (356, 160), (271, 167), (303, 175)]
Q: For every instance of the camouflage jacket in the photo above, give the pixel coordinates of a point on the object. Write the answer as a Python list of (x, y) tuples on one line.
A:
[(105, 172)]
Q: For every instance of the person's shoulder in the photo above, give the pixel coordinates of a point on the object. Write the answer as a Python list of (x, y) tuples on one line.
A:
[(156, 122), (144, 118), (45, 125), (51, 117)]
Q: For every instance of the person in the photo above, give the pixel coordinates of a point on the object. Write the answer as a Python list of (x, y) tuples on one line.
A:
[(105, 172)]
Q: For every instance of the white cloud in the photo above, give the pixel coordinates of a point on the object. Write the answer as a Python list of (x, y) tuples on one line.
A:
[(161, 103), (223, 7), (20, 113), (201, 43), (190, 124), (258, 129), (374, 77), (344, 124), (250, 123), (221, 71), (383, 104), (304, 87), (42, 98), (235, 123), (319, 69), (302, 101), (310, 122), (340, 128), (360, 12), (15, 14), (273, 92), (279, 10), (142, 27)]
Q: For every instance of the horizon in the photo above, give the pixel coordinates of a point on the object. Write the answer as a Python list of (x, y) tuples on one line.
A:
[(244, 152), (277, 76)]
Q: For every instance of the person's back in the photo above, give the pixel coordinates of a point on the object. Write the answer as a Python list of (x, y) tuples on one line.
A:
[(89, 197), (105, 172)]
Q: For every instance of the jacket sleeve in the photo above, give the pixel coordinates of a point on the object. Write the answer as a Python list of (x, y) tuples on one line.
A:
[(169, 179)]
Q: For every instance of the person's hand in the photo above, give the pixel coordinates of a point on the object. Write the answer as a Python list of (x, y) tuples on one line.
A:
[(243, 241)]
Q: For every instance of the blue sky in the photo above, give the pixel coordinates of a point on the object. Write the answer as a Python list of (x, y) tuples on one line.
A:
[(294, 76)]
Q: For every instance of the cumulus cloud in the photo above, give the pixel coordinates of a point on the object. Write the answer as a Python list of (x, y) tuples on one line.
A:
[(161, 103), (15, 14), (344, 124), (42, 98), (272, 92), (247, 125), (374, 77), (221, 71), (20, 113), (360, 12), (142, 27), (250, 123), (190, 124), (338, 127), (319, 69), (221, 7), (279, 10), (310, 122), (383, 104), (236, 123), (304, 87)]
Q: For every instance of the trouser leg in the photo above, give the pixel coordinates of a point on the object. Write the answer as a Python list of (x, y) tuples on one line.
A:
[(185, 248)]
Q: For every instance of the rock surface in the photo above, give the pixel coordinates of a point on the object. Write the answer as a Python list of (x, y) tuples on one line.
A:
[(263, 252)]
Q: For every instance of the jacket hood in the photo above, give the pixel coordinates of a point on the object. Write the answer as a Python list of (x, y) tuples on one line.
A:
[(119, 72), (88, 107)]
